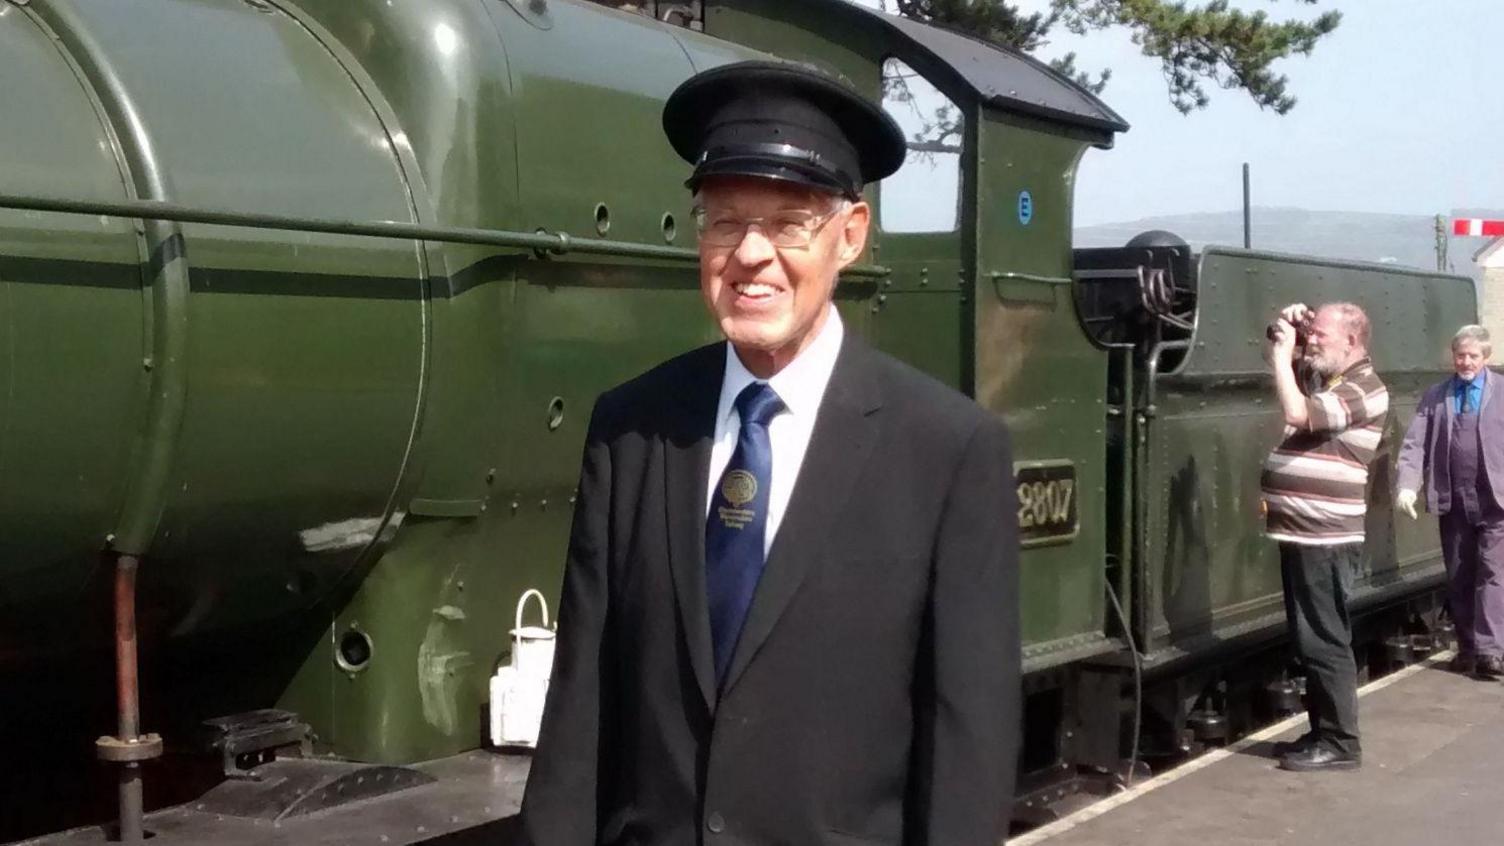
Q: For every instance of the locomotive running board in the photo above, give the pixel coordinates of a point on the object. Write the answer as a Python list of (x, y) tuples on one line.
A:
[(286, 789)]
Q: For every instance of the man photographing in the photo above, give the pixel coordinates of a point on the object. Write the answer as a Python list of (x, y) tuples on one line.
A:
[(1314, 485)]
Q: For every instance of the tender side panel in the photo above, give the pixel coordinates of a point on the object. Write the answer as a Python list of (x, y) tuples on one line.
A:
[(1207, 572)]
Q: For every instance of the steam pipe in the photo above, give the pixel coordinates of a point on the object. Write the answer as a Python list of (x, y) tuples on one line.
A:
[(128, 698), (558, 243), (1151, 382), (129, 747), (126, 688)]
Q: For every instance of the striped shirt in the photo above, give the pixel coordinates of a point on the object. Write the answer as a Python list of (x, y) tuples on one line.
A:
[(1315, 482)]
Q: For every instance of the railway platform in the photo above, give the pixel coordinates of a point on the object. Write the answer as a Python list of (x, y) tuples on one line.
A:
[(1433, 747)]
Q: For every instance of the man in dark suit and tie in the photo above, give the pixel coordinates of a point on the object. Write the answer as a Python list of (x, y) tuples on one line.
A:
[(790, 608)]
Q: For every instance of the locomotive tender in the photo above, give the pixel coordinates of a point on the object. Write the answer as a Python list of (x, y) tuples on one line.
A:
[(304, 303)]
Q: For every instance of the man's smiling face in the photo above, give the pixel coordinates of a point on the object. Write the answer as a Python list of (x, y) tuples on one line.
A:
[(771, 301)]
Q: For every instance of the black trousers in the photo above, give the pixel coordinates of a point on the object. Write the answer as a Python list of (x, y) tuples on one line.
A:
[(1318, 582)]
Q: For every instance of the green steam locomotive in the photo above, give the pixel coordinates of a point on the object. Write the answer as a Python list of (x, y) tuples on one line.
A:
[(303, 305)]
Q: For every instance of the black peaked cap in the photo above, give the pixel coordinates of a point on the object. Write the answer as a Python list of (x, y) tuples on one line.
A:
[(781, 121)]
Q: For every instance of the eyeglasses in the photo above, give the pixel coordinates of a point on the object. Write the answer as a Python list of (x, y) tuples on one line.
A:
[(792, 229)]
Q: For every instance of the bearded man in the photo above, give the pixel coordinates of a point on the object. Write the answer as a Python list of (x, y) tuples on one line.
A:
[(1315, 485)]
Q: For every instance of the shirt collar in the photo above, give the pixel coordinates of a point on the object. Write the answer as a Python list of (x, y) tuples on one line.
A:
[(1353, 371), (1477, 381), (801, 384)]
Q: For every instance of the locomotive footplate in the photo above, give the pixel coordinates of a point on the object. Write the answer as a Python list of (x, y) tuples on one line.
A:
[(282, 790), (468, 798)]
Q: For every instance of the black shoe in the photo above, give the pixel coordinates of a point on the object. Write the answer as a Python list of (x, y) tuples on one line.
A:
[(1319, 758), (1488, 666), (1461, 664), (1299, 744)]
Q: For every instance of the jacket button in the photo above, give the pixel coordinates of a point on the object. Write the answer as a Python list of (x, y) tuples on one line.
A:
[(716, 823)]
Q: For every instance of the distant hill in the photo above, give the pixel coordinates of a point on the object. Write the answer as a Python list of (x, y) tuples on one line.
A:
[(1399, 238)]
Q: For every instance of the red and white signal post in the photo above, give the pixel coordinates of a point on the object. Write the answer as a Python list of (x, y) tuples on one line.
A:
[(1477, 226)]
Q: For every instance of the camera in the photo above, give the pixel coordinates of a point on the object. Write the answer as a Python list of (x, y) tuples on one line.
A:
[(1302, 330)]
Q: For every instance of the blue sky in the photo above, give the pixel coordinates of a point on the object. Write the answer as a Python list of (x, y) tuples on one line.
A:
[(1400, 110)]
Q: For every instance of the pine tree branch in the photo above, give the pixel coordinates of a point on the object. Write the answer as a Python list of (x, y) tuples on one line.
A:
[(1197, 46)]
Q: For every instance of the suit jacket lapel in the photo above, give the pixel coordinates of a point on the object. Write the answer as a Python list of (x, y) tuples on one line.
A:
[(1449, 402), (844, 434), (1488, 391), (685, 467)]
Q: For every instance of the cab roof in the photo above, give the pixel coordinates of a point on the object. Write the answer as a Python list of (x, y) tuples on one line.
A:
[(998, 76)]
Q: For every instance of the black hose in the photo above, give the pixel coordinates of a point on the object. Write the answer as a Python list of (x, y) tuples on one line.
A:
[(1138, 683)]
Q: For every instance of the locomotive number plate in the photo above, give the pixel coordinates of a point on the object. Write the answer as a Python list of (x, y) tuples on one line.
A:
[(1046, 502)]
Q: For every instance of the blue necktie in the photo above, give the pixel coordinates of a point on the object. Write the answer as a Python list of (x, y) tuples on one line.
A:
[(1464, 397), (734, 531)]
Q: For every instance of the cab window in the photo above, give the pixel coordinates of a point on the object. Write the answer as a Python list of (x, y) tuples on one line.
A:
[(924, 195)]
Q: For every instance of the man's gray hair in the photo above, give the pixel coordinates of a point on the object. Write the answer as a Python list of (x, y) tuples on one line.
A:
[(1354, 320), (1473, 332)]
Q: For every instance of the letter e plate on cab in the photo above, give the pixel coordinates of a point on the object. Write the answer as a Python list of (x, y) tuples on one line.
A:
[(1046, 502)]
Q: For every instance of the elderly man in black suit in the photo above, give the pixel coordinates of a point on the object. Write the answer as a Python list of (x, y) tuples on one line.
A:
[(790, 607)]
